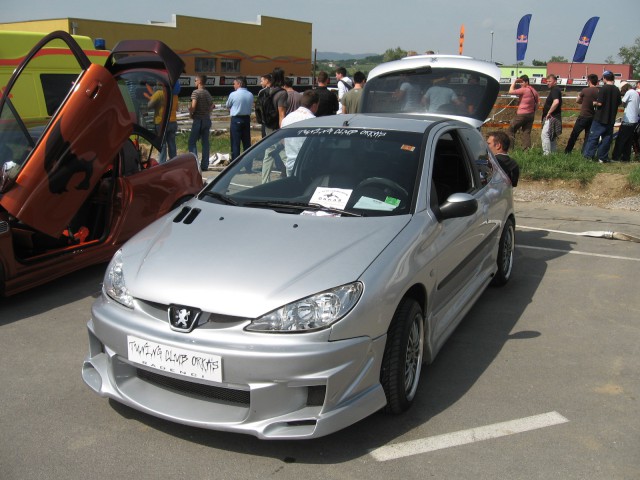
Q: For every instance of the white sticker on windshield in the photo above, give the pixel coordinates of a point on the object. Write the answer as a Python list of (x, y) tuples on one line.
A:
[(331, 197)]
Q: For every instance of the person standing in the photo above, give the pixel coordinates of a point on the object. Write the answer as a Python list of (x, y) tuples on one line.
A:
[(239, 104), (293, 97), (200, 111), (278, 98), (440, 98), (308, 106), (626, 132), (586, 98), (604, 118), (328, 103), (408, 95), (525, 115), (158, 104), (352, 99), (344, 85), (265, 83), (551, 116)]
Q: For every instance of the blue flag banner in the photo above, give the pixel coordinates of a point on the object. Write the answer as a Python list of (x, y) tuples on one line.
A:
[(585, 39), (522, 37)]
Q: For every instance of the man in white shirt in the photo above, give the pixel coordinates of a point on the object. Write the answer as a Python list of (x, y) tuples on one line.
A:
[(626, 132), (344, 85), (307, 109)]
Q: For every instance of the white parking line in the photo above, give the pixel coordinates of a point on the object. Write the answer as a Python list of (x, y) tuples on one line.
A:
[(463, 437), (577, 252)]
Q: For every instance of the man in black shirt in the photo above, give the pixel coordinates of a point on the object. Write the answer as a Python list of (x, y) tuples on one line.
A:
[(328, 104), (587, 96), (551, 116), (606, 107)]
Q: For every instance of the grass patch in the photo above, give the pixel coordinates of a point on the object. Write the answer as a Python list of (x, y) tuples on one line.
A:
[(558, 166), (218, 143), (634, 178)]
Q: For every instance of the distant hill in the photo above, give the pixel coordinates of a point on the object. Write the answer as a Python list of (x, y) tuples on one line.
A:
[(342, 56)]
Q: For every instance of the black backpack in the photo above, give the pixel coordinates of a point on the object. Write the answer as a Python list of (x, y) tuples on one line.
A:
[(266, 111)]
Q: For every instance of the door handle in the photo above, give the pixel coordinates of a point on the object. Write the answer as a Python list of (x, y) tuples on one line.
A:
[(92, 91)]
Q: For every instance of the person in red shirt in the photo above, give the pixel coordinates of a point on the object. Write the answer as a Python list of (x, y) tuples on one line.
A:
[(526, 112)]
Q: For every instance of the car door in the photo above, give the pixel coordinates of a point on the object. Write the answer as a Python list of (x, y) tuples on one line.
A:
[(461, 241), (60, 158), (60, 161)]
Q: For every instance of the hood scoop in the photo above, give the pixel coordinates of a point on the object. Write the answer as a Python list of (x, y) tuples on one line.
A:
[(187, 215)]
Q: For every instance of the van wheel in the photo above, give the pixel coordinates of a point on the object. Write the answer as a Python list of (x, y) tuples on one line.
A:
[(403, 355), (505, 254)]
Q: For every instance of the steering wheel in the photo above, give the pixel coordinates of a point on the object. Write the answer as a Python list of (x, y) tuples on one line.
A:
[(385, 184)]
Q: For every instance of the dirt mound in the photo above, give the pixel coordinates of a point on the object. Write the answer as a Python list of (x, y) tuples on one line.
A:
[(607, 190)]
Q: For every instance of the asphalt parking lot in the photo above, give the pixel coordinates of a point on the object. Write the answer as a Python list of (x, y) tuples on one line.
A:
[(539, 381)]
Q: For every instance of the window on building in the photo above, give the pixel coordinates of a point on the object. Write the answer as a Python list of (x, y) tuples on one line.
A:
[(205, 65), (229, 66)]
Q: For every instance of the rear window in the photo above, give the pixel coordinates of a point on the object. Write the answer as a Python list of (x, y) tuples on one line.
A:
[(438, 91)]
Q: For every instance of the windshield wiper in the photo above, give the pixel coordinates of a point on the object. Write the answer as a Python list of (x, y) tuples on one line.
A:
[(301, 206), (221, 196)]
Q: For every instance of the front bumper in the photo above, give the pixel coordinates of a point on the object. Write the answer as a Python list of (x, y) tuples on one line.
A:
[(274, 386)]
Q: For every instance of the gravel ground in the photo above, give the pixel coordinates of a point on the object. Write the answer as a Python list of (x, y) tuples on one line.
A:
[(571, 198)]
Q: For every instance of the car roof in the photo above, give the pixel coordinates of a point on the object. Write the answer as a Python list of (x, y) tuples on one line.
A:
[(390, 121)]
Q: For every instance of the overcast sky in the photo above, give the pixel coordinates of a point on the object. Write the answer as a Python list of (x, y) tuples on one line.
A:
[(352, 26)]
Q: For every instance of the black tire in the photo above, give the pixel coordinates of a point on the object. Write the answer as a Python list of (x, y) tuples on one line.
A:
[(403, 356), (505, 254)]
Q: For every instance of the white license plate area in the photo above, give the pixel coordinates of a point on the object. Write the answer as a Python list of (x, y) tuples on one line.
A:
[(174, 360)]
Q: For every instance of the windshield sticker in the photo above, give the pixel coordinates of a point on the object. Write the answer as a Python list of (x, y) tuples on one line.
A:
[(368, 203), (408, 148), (342, 132), (331, 197), (392, 201)]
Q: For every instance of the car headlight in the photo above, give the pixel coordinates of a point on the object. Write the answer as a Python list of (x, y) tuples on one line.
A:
[(114, 284), (312, 313)]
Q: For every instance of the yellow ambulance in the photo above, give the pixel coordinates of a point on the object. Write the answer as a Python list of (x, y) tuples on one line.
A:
[(46, 83)]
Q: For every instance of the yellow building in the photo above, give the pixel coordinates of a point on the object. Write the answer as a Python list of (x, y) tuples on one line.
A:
[(216, 48)]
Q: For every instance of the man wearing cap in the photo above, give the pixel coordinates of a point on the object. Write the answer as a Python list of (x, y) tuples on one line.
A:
[(626, 132), (606, 106)]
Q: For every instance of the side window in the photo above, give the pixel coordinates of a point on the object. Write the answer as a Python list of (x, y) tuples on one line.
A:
[(479, 154), (146, 96), (451, 170), (55, 87)]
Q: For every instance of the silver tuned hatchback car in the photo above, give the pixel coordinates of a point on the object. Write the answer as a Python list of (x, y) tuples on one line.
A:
[(304, 288)]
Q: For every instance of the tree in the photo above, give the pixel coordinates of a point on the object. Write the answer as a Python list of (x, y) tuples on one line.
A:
[(631, 55), (394, 54), (559, 59), (538, 63), (610, 60)]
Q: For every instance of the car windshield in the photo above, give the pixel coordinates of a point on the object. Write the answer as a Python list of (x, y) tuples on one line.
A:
[(439, 91), (324, 171)]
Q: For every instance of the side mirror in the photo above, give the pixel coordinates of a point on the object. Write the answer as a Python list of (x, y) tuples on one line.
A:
[(458, 205), (8, 174)]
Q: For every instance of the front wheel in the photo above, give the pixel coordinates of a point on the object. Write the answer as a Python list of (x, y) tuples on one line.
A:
[(505, 254), (403, 354)]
